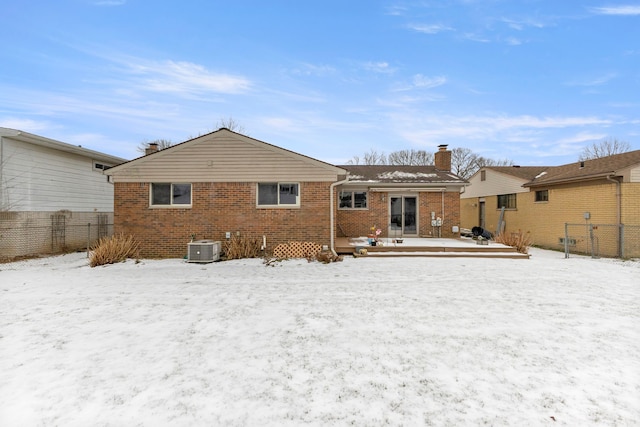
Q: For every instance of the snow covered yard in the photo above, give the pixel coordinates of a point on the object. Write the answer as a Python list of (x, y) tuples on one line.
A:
[(367, 342)]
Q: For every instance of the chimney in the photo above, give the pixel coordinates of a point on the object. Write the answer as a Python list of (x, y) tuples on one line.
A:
[(442, 158), (151, 148)]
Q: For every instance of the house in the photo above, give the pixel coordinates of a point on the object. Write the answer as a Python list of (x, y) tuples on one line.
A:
[(559, 204), (493, 187), (225, 183), (50, 192)]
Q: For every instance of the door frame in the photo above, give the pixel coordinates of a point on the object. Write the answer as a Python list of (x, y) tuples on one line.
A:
[(402, 227)]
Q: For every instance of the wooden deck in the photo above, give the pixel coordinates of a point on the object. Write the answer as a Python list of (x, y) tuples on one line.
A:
[(427, 247)]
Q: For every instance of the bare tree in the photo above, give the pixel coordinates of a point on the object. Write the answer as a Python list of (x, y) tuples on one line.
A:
[(464, 162), (231, 124), (410, 157), (162, 144), (604, 148), (370, 158)]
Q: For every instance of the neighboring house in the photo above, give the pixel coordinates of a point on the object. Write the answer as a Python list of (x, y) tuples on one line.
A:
[(225, 183), (49, 192), (603, 191), (493, 187)]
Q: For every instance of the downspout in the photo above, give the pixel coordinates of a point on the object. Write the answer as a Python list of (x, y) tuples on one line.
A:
[(618, 211), (331, 214), (443, 215)]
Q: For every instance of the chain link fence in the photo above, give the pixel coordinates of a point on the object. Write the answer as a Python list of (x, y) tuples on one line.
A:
[(31, 234), (602, 240)]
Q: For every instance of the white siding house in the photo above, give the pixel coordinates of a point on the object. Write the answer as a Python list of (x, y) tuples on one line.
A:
[(49, 192)]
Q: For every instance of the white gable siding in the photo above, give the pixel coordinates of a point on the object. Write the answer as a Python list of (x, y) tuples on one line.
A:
[(635, 174), (495, 183), (36, 178), (225, 157)]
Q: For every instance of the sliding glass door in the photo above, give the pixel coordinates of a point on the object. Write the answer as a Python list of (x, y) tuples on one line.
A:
[(404, 215)]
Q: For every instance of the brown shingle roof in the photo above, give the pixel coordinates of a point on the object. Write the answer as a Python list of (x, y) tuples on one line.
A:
[(587, 170), (394, 174)]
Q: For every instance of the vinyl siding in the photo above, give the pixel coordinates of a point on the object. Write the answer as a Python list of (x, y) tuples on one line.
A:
[(635, 174), (40, 179), (495, 183), (225, 157)]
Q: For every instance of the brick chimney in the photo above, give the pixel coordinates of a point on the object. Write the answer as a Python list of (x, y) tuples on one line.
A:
[(151, 148), (442, 158)]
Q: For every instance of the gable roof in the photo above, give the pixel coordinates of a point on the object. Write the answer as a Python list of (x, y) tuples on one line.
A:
[(526, 173), (224, 156), (30, 138), (397, 174), (587, 170)]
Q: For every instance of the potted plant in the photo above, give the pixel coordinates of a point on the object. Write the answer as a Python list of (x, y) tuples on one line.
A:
[(374, 235)]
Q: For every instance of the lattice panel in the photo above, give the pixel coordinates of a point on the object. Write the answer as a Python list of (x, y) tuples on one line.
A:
[(296, 250)]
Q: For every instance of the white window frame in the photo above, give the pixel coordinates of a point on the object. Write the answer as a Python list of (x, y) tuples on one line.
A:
[(278, 204), (171, 203)]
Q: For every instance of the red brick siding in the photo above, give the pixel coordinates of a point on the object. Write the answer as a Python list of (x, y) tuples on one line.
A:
[(358, 222), (216, 209)]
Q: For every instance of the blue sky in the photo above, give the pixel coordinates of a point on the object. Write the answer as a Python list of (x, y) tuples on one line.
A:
[(530, 81)]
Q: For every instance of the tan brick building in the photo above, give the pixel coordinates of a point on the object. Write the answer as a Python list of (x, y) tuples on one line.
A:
[(541, 200), (226, 183)]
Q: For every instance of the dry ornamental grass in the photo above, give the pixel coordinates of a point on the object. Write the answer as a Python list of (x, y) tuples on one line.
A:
[(110, 250), (521, 241)]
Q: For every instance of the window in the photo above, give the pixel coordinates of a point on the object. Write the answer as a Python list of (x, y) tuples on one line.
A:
[(507, 201), (165, 194), (101, 166), (542, 196), (353, 200), (278, 194), (483, 175)]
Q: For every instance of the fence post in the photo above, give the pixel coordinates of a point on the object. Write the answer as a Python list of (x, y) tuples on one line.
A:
[(88, 237), (566, 240)]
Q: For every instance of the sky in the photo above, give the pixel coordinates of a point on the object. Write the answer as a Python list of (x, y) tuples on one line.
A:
[(533, 82)]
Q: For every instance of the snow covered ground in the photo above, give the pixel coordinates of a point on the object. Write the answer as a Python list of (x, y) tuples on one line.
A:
[(366, 342)]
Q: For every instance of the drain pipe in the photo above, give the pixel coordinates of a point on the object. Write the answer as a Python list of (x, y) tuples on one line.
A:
[(443, 216), (618, 211), (331, 214)]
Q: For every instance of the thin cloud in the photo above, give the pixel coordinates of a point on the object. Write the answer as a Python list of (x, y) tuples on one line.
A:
[(622, 10), (420, 81), (26, 125), (180, 77), (426, 82), (476, 38), (520, 25), (379, 67), (429, 28), (307, 69), (419, 129), (396, 10), (597, 81), (582, 137), (512, 41)]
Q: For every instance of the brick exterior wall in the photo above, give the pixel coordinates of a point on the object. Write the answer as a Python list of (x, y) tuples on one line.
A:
[(567, 204), (218, 208), (358, 222)]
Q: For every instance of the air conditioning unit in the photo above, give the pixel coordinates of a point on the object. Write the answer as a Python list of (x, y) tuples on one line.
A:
[(203, 251)]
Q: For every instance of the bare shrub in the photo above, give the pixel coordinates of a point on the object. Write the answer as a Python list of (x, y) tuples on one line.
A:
[(116, 248), (238, 247), (520, 241)]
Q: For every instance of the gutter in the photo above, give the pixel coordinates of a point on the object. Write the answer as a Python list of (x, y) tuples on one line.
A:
[(618, 211), (332, 212)]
